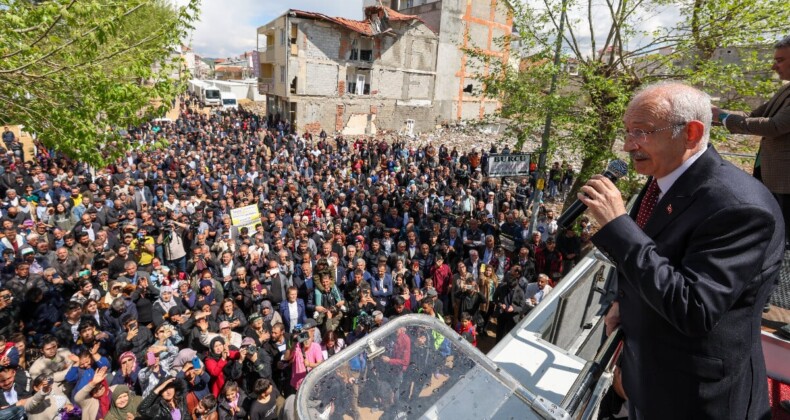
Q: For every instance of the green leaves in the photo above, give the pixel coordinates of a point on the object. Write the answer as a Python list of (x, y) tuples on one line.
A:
[(613, 50), (71, 69)]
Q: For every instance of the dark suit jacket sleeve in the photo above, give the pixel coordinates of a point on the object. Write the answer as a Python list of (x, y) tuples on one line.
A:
[(717, 266)]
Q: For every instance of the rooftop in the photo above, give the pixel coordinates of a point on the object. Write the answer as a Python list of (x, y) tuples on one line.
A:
[(369, 27)]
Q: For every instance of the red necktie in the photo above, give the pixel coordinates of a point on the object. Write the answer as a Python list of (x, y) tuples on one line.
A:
[(648, 204)]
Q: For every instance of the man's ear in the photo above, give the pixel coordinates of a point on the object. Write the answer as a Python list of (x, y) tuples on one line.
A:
[(695, 130)]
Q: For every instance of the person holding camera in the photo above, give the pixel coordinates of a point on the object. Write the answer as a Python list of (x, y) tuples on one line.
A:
[(366, 304), (256, 364), (469, 300), (46, 402), (143, 247), (329, 303), (134, 338), (305, 354), (172, 237)]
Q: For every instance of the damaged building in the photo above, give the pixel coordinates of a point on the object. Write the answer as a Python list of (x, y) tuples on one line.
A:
[(482, 25), (350, 76)]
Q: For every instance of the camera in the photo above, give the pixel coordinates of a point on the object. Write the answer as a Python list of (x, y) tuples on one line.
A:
[(252, 349), (365, 321)]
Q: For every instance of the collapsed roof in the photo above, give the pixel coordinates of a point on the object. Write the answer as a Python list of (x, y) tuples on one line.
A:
[(376, 20)]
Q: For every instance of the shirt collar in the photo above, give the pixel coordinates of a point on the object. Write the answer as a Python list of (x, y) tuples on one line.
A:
[(666, 182)]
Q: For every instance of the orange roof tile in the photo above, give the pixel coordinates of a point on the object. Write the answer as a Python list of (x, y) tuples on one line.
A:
[(363, 27)]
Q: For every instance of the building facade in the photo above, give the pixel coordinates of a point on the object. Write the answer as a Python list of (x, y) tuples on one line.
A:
[(349, 76), (479, 25)]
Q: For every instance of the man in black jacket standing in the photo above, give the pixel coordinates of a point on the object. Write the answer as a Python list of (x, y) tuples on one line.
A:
[(697, 260)]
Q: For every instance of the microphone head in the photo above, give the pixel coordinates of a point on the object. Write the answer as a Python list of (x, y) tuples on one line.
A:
[(618, 168)]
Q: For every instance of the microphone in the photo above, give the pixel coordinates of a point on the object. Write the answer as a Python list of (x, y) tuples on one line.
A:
[(616, 170)]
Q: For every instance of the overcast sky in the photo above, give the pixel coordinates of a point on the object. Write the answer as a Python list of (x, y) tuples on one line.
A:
[(227, 28)]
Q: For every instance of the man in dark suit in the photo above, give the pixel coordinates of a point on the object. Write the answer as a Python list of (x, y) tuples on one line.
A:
[(697, 260), (292, 310), (142, 195), (771, 121)]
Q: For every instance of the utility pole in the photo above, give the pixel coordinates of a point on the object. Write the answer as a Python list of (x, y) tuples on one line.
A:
[(540, 182)]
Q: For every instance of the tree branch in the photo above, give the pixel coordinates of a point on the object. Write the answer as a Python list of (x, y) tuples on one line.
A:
[(72, 41)]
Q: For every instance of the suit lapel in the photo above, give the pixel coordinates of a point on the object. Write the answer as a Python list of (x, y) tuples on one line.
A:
[(681, 194)]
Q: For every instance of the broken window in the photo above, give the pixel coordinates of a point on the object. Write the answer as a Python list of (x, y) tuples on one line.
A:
[(293, 85), (366, 49), (468, 88), (361, 50), (354, 50), (358, 84), (294, 44)]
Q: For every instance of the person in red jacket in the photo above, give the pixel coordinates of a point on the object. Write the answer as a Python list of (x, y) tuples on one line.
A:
[(218, 358), (398, 361), (548, 261), (442, 277)]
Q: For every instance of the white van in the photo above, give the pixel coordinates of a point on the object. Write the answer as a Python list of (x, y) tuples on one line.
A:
[(229, 101), (211, 96)]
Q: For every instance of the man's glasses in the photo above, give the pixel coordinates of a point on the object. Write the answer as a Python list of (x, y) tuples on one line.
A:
[(640, 136)]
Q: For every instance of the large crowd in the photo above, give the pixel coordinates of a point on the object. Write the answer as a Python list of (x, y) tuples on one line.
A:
[(128, 291)]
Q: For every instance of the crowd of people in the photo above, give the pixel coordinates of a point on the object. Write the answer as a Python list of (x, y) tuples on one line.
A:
[(128, 292)]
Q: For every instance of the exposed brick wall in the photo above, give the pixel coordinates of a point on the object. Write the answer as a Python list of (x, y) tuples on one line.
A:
[(374, 109), (339, 118), (313, 128), (345, 46), (341, 88)]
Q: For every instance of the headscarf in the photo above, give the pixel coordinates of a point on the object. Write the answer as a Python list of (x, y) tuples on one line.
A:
[(131, 407), (105, 401), (130, 380), (210, 296), (211, 347), (184, 356), (169, 304)]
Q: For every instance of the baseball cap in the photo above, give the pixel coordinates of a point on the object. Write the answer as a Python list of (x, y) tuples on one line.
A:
[(224, 324)]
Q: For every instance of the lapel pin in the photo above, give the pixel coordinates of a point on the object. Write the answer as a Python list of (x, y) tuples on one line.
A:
[(669, 209)]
